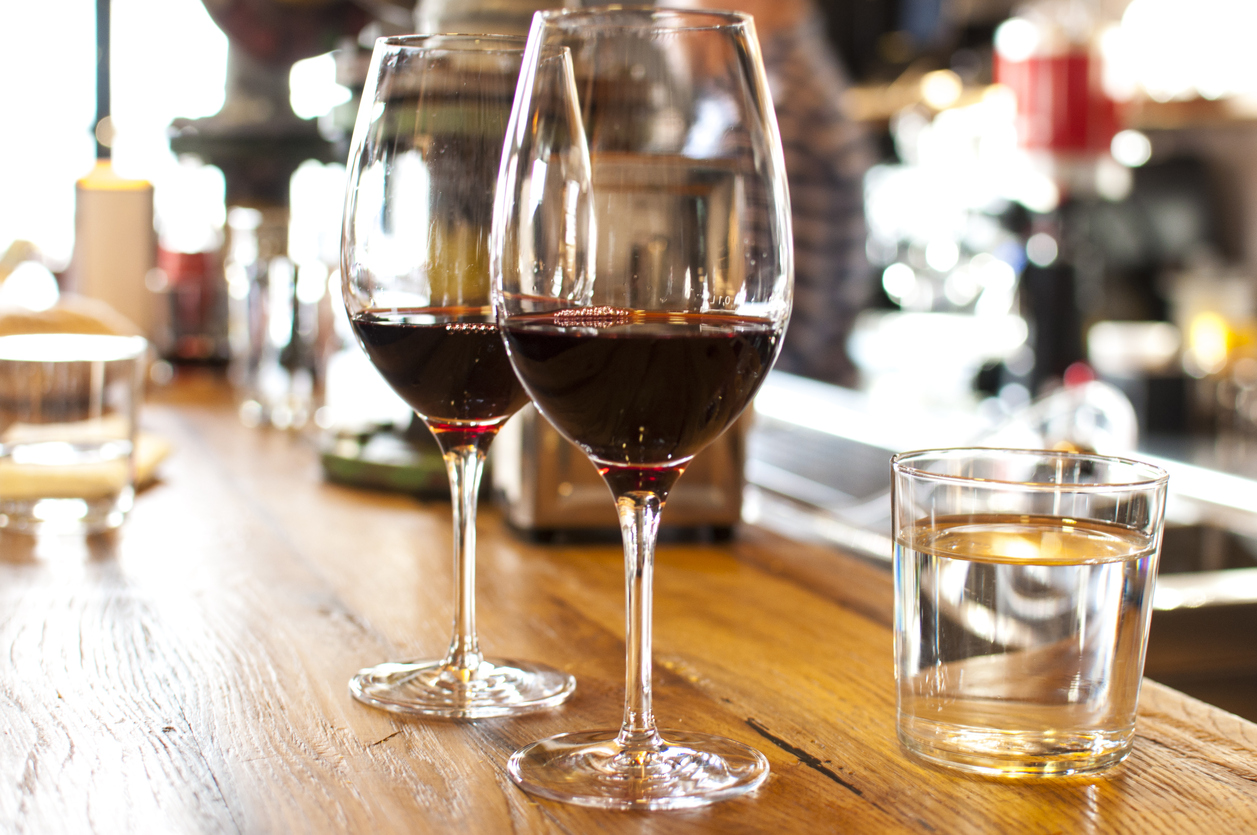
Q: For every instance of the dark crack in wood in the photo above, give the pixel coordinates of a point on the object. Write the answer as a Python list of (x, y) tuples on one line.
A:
[(804, 757), (384, 740)]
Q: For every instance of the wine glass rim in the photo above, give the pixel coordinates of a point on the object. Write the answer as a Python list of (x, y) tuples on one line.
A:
[(457, 41), (711, 18), (1142, 473)]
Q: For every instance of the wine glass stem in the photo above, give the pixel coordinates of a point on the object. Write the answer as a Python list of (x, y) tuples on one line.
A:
[(639, 523), (465, 465)]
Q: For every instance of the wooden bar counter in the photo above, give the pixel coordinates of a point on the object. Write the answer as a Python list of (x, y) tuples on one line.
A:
[(188, 674)]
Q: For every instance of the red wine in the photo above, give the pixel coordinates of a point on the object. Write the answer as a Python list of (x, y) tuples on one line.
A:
[(641, 389), (448, 363)]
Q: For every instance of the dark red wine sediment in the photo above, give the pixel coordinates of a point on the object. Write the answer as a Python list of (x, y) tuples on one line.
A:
[(448, 363), (640, 388)]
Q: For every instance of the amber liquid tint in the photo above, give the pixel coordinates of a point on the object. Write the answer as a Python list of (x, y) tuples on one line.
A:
[(1021, 648)]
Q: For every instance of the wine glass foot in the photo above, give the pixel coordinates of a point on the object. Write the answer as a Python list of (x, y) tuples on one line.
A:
[(497, 687), (683, 771)]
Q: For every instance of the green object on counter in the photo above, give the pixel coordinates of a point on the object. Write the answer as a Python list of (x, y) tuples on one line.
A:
[(385, 459)]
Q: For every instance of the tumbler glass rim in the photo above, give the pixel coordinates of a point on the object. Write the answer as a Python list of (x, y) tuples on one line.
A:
[(1143, 474), (702, 19), (71, 347)]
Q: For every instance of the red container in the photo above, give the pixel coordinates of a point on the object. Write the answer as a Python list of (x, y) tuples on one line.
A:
[(1061, 105)]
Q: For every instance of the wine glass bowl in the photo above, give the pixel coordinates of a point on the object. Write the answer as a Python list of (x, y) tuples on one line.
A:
[(642, 275), (415, 281)]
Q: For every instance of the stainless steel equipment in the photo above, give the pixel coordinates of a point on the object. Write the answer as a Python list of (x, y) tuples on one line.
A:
[(549, 488)]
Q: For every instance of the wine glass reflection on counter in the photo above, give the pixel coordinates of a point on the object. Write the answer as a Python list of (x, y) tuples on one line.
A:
[(642, 281), (415, 269)]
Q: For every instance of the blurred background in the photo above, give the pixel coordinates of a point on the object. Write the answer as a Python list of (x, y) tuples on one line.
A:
[(1041, 192)]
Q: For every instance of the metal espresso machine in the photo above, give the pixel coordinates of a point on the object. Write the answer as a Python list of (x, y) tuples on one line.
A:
[(551, 491)]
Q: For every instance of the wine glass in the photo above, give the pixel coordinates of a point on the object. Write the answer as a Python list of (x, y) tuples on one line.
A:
[(414, 262), (642, 275)]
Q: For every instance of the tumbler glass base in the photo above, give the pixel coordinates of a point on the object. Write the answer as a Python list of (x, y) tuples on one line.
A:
[(1004, 753)]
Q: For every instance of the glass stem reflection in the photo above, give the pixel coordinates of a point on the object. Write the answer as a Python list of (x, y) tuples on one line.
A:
[(465, 464)]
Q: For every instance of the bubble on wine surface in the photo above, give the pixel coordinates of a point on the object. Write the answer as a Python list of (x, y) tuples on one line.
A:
[(593, 317)]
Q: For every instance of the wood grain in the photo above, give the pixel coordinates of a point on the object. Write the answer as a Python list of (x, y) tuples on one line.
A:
[(189, 673)]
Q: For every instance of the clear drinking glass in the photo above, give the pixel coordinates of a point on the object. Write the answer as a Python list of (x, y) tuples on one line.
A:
[(642, 281), (69, 418), (1023, 591), (415, 268)]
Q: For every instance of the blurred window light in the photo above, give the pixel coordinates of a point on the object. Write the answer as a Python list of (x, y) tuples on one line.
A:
[(922, 298), (191, 207), (915, 202), (992, 272), (964, 160), (157, 78), (395, 245), (907, 128), (899, 282), (1017, 39), (713, 120), (1117, 76), (281, 275), (1021, 361), (999, 105), (942, 255), (157, 75), (316, 195), (961, 287), (237, 281), (48, 142), (1127, 349), (1041, 249), (999, 285), (880, 252), (958, 171), (1208, 337), (311, 282), (30, 286), (941, 89), (1113, 180), (1014, 396), (983, 233), (1131, 148), (313, 90), (1177, 50), (1033, 189), (995, 302)]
